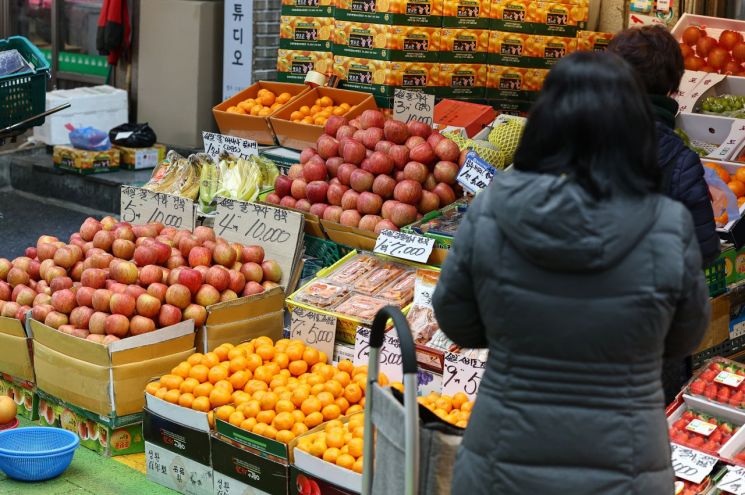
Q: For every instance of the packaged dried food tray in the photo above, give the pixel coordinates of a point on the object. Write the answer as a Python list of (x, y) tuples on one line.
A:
[(355, 268), (322, 293), (378, 278), (423, 323), (400, 291), (361, 306)]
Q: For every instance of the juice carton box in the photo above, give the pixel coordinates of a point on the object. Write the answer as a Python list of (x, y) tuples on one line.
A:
[(293, 65), (415, 43), (398, 12), (415, 75), (471, 14), (462, 80), (469, 46), (306, 33), (313, 8), (593, 41), (363, 40), (528, 50), (520, 83), (360, 74)]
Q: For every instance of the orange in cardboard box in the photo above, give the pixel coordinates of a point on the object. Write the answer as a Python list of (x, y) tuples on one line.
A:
[(464, 40), (466, 8), (306, 29), (463, 75), (299, 62), (366, 36), (510, 10), (556, 14), (415, 74), (593, 41), (515, 78), (415, 38), (296, 3), (363, 71)]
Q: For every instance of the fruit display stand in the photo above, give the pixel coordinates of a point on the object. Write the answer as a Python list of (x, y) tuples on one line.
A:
[(17, 378), (254, 127)]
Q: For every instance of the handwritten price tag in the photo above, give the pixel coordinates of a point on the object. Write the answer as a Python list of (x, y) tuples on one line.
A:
[(390, 354), (731, 143), (141, 206), (413, 105), (691, 465), (410, 247), (216, 144), (733, 481), (462, 374), (278, 231), (475, 174), (315, 329)]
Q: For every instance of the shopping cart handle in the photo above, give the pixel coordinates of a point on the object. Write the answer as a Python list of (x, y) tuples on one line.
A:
[(408, 351)]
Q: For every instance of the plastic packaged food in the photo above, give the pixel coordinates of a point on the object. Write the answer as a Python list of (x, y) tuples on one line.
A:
[(378, 278), (701, 431), (423, 324), (323, 294), (363, 307), (721, 381), (683, 487), (354, 269), (401, 291)]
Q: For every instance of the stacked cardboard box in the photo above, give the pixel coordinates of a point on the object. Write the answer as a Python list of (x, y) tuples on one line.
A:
[(305, 39)]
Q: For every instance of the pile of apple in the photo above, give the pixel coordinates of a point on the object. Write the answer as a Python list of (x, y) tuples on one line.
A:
[(114, 280), (372, 173), (705, 53)]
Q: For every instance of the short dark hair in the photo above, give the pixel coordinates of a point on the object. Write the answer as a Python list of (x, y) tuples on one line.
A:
[(593, 122), (655, 55)]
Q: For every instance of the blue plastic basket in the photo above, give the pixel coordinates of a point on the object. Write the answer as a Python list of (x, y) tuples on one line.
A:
[(36, 453)]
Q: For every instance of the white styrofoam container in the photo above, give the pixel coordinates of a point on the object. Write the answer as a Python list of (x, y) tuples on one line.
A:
[(713, 25), (102, 107)]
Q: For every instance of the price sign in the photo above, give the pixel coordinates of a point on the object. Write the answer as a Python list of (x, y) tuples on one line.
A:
[(410, 247), (691, 465), (701, 427), (731, 143), (462, 374), (413, 105), (141, 206), (691, 79), (729, 379), (315, 329), (390, 354), (278, 231), (216, 144), (733, 481), (475, 174)]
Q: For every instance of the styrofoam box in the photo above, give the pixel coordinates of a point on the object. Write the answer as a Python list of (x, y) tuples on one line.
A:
[(101, 107), (708, 129), (713, 25)]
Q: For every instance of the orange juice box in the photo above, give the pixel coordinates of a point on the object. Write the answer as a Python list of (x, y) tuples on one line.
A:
[(415, 43), (468, 46), (557, 19), (399, 12), (363, 40), (313, 8), (593, 41), (521, 83), (414, 75), (462, 80), (292, 65), (306, 33), (472, 14), (359, 74), (528, 50)]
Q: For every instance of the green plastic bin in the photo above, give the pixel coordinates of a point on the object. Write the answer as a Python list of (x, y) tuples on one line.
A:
[(23, 95), (716, 278)]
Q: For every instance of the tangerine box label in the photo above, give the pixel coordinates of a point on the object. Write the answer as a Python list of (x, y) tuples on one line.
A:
[(462, 80), (528, 50), (313, 8), (306, 33), (359, 74), (363, 40), (415, 43), (472, 14), (399, 12), (414, 75), (510, 106), (464, 45), (545, 18), (593, 41), (293, 65), (520, 83)]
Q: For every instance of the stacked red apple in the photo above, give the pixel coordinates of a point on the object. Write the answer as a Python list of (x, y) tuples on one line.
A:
[(706, 53), (372, 173), (114, 280)]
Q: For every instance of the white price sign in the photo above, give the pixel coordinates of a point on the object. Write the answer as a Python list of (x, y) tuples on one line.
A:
[(315, 329), (391, 362), (141, 206), (410, 247), (729, 379), (413, 105), (691, 465), (734, 139), (462, 374), (216, 144), (734, 481), (475, 174), (278, 231), (688, 84)]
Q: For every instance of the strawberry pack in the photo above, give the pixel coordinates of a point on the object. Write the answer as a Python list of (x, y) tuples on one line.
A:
[(721, 381), (701, 431), (683, 487)]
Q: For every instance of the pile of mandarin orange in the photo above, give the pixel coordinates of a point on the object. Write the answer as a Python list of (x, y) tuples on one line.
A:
[(338, 443), (277, 390), (319, 113), (455, 410), (263, 105), (736, 183)]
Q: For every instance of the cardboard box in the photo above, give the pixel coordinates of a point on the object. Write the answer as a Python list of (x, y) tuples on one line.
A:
[(514, 83), (467, 46), (140, 158), (293, 65), (729, 255), (468, 14), (364, 75), (248, 126), (16, 342), (528, 50), (415, 43), (391, 12), (545, 18), (239, 469), (340, 478), (105, 435), (107, 380), (415, 76), (302, 483), (322, 8), (469, 116), (23, 393), (296, 135), (177, 456), (306, 33), (84, 161), (718, 329), (312, 223), (593, 41), (462, 80), (510, 106)]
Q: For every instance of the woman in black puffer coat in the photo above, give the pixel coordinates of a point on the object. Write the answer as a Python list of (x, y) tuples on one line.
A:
[(656, 56), (579, 278)]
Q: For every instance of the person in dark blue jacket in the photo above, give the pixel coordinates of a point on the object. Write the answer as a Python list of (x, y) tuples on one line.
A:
[(656, 56)]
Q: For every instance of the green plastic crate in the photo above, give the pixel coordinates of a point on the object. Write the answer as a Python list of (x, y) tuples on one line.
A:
[(24, 95), (716, 278), (321, 253)]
